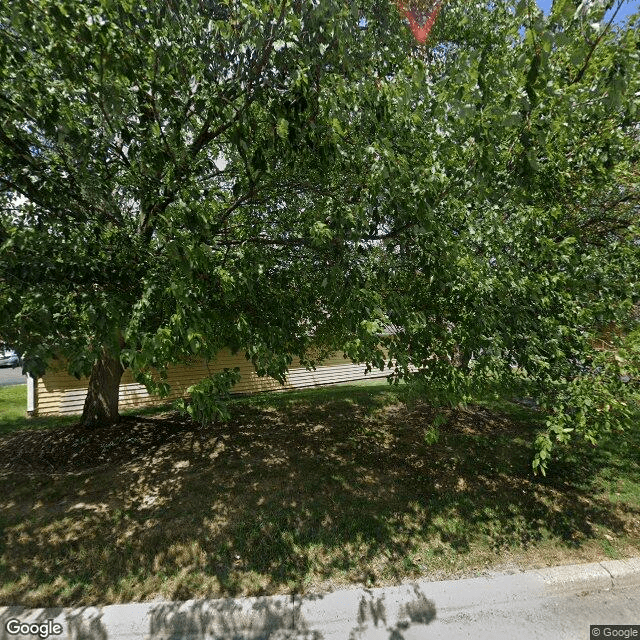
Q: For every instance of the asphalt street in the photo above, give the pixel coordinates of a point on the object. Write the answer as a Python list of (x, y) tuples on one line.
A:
[(565, 617), (9, 376), (551, 617)]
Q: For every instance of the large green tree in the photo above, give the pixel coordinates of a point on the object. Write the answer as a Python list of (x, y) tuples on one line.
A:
[(184, 176), (170, 171), (515, 170)]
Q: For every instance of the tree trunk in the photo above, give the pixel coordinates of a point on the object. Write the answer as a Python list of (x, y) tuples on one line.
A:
[(101, 404)]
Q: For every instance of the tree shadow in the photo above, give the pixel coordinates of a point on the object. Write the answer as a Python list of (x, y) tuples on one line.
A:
[(265, 618), (311, 498), (80, 624)]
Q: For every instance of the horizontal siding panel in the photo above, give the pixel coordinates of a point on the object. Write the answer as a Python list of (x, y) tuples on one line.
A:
[(59, 393)]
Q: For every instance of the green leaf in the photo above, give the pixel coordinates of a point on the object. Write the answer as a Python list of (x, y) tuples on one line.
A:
[(283, 128)]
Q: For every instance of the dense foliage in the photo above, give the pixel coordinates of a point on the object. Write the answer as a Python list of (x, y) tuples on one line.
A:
[(289, 178), (519, 163)]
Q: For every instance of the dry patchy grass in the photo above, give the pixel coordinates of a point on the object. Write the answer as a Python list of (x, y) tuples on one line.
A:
[(307, 491)]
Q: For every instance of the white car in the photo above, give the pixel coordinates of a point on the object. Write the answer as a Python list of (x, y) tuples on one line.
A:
[(9, 358)]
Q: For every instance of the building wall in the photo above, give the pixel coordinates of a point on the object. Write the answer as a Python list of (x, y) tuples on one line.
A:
[(58, 393)]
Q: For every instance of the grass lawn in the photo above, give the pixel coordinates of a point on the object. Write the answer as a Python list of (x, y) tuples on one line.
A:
[(302, 491), (13, 405), (13, 413)]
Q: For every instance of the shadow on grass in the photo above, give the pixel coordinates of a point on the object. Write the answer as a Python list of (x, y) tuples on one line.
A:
[(310, 494)]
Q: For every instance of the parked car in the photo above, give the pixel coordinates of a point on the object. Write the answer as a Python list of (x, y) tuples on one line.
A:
[(9, 358)]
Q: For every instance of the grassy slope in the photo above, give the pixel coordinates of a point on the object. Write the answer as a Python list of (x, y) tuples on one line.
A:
[(301, 491)]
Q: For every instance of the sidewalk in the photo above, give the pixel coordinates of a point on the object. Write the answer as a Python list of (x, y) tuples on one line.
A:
[(393, 613)]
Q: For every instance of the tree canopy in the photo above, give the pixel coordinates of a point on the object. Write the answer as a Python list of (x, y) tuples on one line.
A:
[(290, 178)]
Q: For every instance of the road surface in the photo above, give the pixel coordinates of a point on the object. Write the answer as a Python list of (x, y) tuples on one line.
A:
[(559, 617), (9, 376)]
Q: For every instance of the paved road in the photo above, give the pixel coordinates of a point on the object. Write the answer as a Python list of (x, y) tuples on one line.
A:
[(500, 608), (558, 617), (553, 617), (9, 376)]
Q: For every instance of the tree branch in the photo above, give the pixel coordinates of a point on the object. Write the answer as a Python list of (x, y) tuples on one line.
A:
[(585, 65)]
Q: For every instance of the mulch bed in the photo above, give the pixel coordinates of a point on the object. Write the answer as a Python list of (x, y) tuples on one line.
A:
[(74, 448)]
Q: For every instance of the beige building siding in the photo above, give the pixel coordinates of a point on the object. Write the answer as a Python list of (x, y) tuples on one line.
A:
[(58, 393)]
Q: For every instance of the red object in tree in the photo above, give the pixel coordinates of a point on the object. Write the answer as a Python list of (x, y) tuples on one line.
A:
[(420, 32)]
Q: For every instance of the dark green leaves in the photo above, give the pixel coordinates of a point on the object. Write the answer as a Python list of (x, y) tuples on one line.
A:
[(274, 178)]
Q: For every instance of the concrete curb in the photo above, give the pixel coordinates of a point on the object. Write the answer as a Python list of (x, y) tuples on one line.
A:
[(596, 576), (349, 613), (576, 578)]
